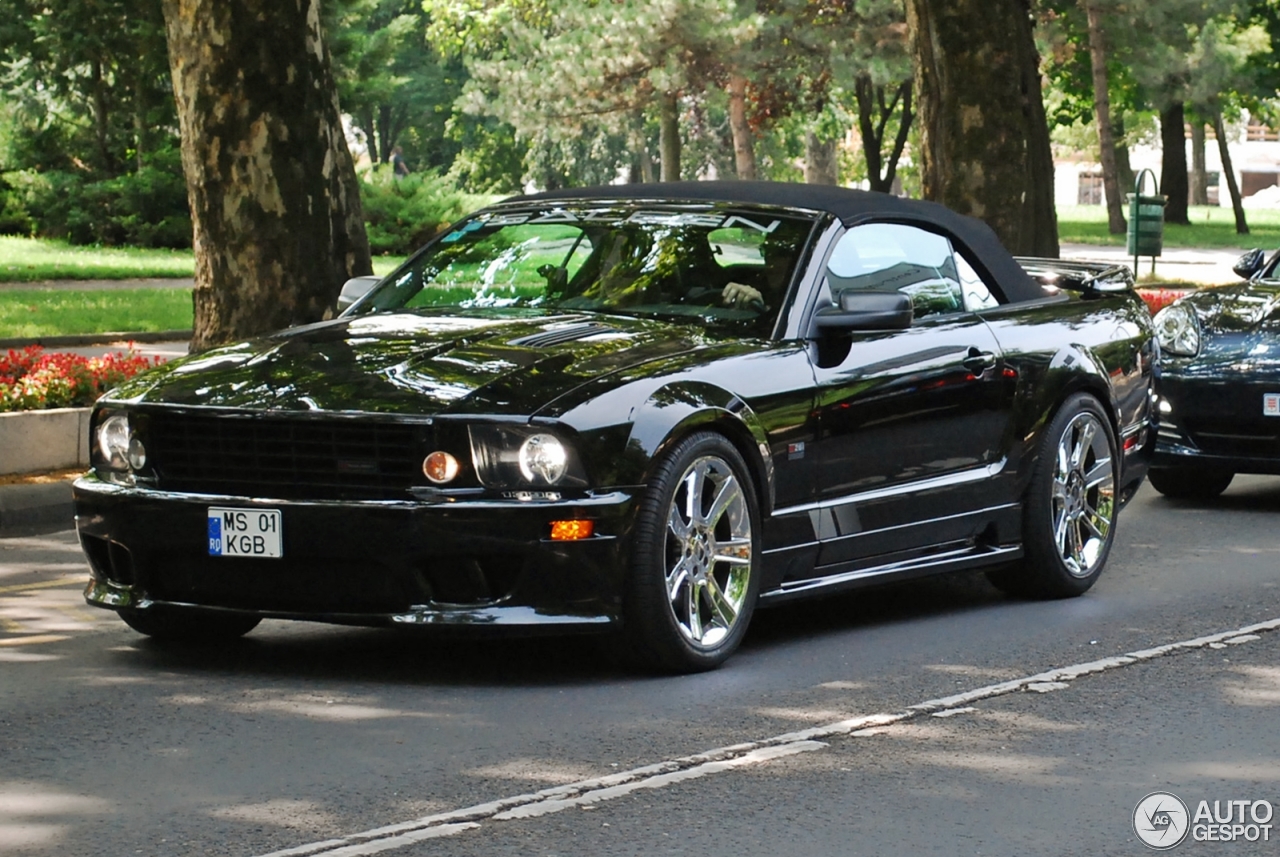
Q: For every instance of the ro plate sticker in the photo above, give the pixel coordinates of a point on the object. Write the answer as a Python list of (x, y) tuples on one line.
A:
[(1271, 404)]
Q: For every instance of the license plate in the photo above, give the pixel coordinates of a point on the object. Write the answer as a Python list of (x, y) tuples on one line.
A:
[(244, 532), (1271, 404)]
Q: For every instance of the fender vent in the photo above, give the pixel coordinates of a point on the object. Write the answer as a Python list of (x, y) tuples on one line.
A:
[(547, 338)]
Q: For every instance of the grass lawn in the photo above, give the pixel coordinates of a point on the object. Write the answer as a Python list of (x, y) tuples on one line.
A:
[(24, 260), (45, 312), (1210, 227), (27, 259), (31, 313)]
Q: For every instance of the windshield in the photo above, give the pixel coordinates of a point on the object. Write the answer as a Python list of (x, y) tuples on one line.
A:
[(722, 266)]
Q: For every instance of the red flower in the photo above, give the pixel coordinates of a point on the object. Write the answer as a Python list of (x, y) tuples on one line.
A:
[(31, 379)]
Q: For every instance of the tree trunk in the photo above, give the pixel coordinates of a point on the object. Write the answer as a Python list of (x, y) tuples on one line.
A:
[(139, 122), (874, 114), (984, 137), (274, 199), (744, 150), (1173, 162), (101, 118), (1229, 172), (1124, 172), (1102, 109), (385, 142), (1199, 194), (370, 134), (821, 160), (669, 136)]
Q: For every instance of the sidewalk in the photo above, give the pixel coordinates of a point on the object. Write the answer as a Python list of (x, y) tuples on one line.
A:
[(1196, 265)]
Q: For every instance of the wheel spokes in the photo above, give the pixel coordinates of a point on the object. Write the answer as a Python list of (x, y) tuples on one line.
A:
[(709, 551), (1081, 495)]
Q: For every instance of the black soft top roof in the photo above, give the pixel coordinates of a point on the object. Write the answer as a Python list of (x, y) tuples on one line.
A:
[(850, 207)]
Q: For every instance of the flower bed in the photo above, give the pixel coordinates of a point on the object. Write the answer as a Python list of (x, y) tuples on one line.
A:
[(32, 379), (1158, 297)]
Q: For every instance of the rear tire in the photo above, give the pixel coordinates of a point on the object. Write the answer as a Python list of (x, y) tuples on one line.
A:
[(695, 557), (1071, 506), (189, 626), (1190, 483)]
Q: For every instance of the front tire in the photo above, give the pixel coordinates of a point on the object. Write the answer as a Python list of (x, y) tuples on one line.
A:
[(189, 626), (1071, 506), (1189, 483), (694, 574)]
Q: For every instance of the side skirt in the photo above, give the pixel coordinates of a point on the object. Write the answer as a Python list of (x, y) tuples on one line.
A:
[(843, 576)]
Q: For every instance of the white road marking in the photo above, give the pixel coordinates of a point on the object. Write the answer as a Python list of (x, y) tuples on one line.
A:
[(588, 792), (1047, 686), (764, 754)]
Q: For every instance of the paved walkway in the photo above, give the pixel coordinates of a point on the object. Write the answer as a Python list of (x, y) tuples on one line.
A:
[(1196, 265)]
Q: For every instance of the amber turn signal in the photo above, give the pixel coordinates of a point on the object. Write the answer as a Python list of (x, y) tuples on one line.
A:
[(570, 531), (440, 467)]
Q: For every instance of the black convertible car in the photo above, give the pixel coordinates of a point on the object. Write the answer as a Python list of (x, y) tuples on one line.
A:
[(639, 409), (1219, 383)]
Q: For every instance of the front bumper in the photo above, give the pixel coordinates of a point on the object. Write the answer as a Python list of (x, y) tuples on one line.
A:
[(464, 563), (1217, 423)]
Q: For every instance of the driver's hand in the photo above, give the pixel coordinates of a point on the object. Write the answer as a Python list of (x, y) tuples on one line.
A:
[(740, 296)]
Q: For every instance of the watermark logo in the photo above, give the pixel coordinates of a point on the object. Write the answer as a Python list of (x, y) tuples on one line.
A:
[(1161, 821)]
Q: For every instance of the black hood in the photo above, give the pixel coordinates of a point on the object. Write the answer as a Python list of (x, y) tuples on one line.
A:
[(1240, 328), (506, 362)]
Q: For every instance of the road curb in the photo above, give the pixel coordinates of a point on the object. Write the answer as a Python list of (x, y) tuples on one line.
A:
[(51, 439), (36, 508), (99, 339)]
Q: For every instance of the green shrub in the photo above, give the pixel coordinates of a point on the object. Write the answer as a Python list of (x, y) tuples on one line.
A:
[(14, 218), (403, 214), (146, 208)]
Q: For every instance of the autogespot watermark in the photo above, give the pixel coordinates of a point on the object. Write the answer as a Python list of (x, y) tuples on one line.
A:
[(1162, 821)]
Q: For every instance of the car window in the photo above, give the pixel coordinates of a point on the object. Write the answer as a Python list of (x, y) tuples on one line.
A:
[(886, 257), (720, 266), (976, 293)]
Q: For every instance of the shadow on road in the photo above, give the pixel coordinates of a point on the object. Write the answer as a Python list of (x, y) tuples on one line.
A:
[(413, 657)]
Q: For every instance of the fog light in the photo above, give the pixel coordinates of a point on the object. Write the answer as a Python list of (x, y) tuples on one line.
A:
[(571, 531), (1165, 407), (440, 467)]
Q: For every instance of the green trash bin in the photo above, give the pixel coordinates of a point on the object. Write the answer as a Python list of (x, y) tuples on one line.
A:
[(1146, 219)]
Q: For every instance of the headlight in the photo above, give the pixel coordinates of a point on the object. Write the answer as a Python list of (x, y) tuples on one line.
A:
[(117, 447), (1178, 330), (543, 459), (114, 439), (523, 456)]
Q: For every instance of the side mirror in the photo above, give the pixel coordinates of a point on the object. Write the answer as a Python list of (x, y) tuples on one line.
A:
[(867, 311), (354, 289), (1249, 264)]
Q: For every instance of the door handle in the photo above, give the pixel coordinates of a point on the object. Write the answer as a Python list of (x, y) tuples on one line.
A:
[(979, 361)]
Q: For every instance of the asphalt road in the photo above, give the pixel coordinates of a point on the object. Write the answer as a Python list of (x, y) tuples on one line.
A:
[(314, 740)]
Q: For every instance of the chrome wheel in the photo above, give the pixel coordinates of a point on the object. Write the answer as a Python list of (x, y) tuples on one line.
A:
[(708, 552), (1083, 498)]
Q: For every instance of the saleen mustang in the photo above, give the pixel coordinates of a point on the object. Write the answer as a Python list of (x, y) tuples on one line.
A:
[(639, 409), (1219, 383)]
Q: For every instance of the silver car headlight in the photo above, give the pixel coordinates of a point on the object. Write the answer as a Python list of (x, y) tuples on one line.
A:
[(1178, 330), (523, 456), (543, 459), (116, 446)]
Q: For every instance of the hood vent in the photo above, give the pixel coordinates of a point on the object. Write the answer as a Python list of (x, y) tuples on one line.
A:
[(558, 335)]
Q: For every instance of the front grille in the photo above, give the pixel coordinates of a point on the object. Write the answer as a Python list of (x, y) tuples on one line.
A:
[(289, 585), (283, 457), (1237, 445)]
